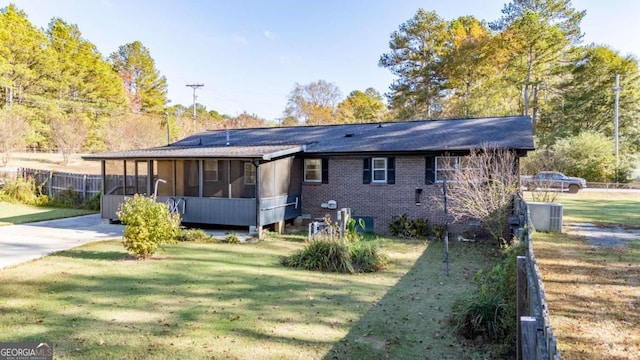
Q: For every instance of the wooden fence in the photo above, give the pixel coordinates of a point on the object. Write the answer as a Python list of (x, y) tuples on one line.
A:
[(55, 184), (535, 335)]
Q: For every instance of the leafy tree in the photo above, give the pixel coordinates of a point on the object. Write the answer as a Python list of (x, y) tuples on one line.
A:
[(471, 65), (148, 225), (591, 155), (24, 58), (539, 34), (145, 88), (314, 103), (587, 100), (362, 107), (13, 131), (416, 54), (81, 76)]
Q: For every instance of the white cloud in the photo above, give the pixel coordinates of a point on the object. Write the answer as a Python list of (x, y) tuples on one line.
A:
[(268, 34)]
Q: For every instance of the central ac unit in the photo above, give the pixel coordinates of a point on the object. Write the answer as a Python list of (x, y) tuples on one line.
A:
[(546, 216)]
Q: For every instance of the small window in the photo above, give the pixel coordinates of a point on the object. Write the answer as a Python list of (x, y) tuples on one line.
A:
[(379, 169), (249, 174), (211, 170), (312, 170)]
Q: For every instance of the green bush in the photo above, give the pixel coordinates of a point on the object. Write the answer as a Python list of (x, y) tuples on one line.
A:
[(194, 235), (366, 257), (148, 225), (411, 229), (69, 197), (491, 312), (232, 238), (24, 191), (480, 314), (93, 203), (321, 255), (331, 255)]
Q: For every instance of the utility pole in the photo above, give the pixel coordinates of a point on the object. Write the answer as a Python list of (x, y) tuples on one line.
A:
[(194, 87), (615, 122)]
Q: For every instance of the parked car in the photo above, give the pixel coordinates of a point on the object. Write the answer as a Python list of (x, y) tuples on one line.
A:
[(553, 180)]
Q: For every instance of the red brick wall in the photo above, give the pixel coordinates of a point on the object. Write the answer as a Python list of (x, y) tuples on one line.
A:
[(382, 202)]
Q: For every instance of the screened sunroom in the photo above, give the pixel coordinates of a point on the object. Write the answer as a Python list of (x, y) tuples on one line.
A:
[(250, 187)]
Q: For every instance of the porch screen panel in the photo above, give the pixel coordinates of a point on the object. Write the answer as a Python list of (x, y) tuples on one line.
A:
[(239, 188), (164, 171), (267, 179), (188, 178), (114, 177), (216, 178), (142, 177), (283, 176), (130, 178)]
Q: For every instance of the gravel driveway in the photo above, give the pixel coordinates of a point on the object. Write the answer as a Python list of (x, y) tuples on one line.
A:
[(603, 236)]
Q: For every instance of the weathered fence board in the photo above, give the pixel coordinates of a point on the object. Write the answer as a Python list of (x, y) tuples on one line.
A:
[(54, 184), (535, 335)]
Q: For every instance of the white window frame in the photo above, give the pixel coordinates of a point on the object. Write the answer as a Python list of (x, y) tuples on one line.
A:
[(384, 169), (457, 166), (249, 174), (318, 163), (210, 167)]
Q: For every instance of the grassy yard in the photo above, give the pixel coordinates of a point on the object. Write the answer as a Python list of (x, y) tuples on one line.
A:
[(593, 291), (238, 302), (594, 296), (19, 214), (600, 207)]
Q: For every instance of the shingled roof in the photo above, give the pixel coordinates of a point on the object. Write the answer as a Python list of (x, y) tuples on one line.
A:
[(514, 132)]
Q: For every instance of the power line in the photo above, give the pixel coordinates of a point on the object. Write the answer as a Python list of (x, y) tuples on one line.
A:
[(194, 87)]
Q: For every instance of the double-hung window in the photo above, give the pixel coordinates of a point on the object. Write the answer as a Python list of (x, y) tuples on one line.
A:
[(447, 166), (313, 170), (316, 170), (379, 170)]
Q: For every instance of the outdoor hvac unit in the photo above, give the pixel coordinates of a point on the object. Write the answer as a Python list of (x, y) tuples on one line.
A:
[(546, 216)]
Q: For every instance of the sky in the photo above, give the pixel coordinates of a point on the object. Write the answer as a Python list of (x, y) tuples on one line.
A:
[(249, 54)]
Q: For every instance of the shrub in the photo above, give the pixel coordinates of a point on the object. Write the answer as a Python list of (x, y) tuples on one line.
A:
[(405, 228), (480, 314), (232, 238), (321, 255), (69, 197), (367, 257), (491, 311), (24, 191), (332, 255), (93, 203), (194, 235), (148, 225)]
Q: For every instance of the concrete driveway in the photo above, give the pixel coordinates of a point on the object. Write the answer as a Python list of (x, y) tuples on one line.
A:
[(21, 243)]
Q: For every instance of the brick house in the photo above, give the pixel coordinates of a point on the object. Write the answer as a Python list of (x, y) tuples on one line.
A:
[(262, 176)]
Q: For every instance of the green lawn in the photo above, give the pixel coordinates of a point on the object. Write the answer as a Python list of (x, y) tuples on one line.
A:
[(600, 207), (238, 302), (19, 213)]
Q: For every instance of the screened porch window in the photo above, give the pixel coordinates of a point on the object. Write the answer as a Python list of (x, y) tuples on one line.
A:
[(249, 174)]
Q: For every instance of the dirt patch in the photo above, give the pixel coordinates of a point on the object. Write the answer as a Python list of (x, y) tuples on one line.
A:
[(52, 162), (610, 236)]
